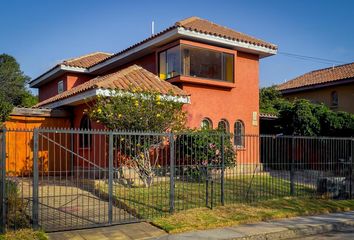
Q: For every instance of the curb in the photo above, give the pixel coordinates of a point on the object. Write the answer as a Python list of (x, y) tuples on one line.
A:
[(299, 231)]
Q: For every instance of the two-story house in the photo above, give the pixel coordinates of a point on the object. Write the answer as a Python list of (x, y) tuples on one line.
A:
[(213, 69), (333, 86)]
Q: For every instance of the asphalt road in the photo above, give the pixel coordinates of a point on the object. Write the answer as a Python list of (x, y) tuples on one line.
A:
[(343, 234)]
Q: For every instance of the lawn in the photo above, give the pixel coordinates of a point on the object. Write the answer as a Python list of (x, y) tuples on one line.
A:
[(24, 234), (152, 202), (234, 214)]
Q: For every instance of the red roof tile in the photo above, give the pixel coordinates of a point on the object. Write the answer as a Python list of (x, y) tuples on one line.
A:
[(204, 26), (133, 76), (321, 76), (87, 60)]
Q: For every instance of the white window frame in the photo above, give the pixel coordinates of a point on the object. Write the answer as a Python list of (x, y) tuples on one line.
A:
[(60, 86)]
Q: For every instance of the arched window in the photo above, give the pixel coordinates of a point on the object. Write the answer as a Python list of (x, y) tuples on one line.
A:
[(334, 98), (224, 126), (206, 124), (239, 134), (85, 138)]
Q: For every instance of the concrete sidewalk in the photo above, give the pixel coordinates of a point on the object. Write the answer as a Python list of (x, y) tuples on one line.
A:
[(280, 229)]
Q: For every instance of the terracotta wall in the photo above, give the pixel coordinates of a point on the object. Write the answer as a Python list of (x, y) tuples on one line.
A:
[(19, 145), (323, 95)]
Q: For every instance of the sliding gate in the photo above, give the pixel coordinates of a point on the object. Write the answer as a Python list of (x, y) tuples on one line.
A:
[(72, 179)]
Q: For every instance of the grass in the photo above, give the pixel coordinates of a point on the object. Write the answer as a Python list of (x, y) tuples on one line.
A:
[(24, 234), (234, 214), (152, 202)]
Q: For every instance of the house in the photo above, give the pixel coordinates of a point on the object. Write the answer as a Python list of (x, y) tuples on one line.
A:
[(333, 86), (214, 69)]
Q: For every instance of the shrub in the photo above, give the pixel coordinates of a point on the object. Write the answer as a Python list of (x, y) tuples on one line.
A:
[(199, 153), (15, 208)]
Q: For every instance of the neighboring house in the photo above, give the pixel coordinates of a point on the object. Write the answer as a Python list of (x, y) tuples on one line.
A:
[(214, 69), (333, 86)]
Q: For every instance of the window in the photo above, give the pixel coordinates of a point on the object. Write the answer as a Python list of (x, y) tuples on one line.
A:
[(239, 134), (85, 138), (334, 99), (196, 62), (170, 63), (60, 86), (206, 124), (205, 63), (223, 126)]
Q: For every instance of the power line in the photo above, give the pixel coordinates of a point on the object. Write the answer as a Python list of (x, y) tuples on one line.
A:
[(313, 59)]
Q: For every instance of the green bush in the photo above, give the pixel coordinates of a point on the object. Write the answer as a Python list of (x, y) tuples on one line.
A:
[(198, 153), (15, 208)]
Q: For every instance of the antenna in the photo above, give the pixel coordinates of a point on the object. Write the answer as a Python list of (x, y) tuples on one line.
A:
[(152, 28)]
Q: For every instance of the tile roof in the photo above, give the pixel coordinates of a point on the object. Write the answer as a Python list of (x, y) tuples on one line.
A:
[(87, 60), (204, 26), (133, 76), (321, 76)]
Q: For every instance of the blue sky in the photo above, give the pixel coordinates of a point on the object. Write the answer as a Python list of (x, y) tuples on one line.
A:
[(39, 33)]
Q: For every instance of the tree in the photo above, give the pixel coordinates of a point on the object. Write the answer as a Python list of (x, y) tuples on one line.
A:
[(301, 117), (13, 91), (139, 110)]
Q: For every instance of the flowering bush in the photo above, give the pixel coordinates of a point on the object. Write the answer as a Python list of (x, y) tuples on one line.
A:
[(138, 110), (199, 153)]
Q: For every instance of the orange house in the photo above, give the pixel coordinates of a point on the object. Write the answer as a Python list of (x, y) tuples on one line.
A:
[(214, 70)]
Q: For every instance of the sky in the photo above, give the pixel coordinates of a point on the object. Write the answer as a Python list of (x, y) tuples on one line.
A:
[(41, 33)]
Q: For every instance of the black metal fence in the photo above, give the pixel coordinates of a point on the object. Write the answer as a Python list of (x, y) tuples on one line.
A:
[(58, 179)]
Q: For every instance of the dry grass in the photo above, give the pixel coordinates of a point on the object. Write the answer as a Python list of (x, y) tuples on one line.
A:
[(234, 214), (24, 234)]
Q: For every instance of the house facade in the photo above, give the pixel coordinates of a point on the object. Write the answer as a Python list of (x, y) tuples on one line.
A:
[(332, 86), (216, 69)]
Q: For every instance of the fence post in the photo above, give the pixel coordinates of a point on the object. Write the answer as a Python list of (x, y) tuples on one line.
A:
[(35, 180), (3, 180), (110, 177), (222, 196), (292, 159), (351, 168), (72, 155), (172, 172)]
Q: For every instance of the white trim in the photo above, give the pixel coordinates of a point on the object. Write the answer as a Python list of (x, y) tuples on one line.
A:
[(108, 93), (136, 49), (55, 70), (180, 31), (264, 51), (82, 97)]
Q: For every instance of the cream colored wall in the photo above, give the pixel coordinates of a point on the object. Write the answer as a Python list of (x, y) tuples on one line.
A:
[(323, 95)]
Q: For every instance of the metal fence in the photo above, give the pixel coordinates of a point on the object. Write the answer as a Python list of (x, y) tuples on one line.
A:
[(57, 179)]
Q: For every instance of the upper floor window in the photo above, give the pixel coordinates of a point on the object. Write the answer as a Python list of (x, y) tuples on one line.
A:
[(334, 99), (206, 124), (196, 62), (60, 86)]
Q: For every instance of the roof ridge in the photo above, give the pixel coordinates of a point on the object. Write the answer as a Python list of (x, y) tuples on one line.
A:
[(333, 67), (191, 19), (186, 20), (86, 55)]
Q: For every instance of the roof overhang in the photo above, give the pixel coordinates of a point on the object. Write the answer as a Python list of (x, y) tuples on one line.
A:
[(89, 95), (317, 86), (228, 43), (150, 46), (55, 72)]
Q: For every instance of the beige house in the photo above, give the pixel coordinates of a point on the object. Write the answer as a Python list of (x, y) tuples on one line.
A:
[(332, 86)]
